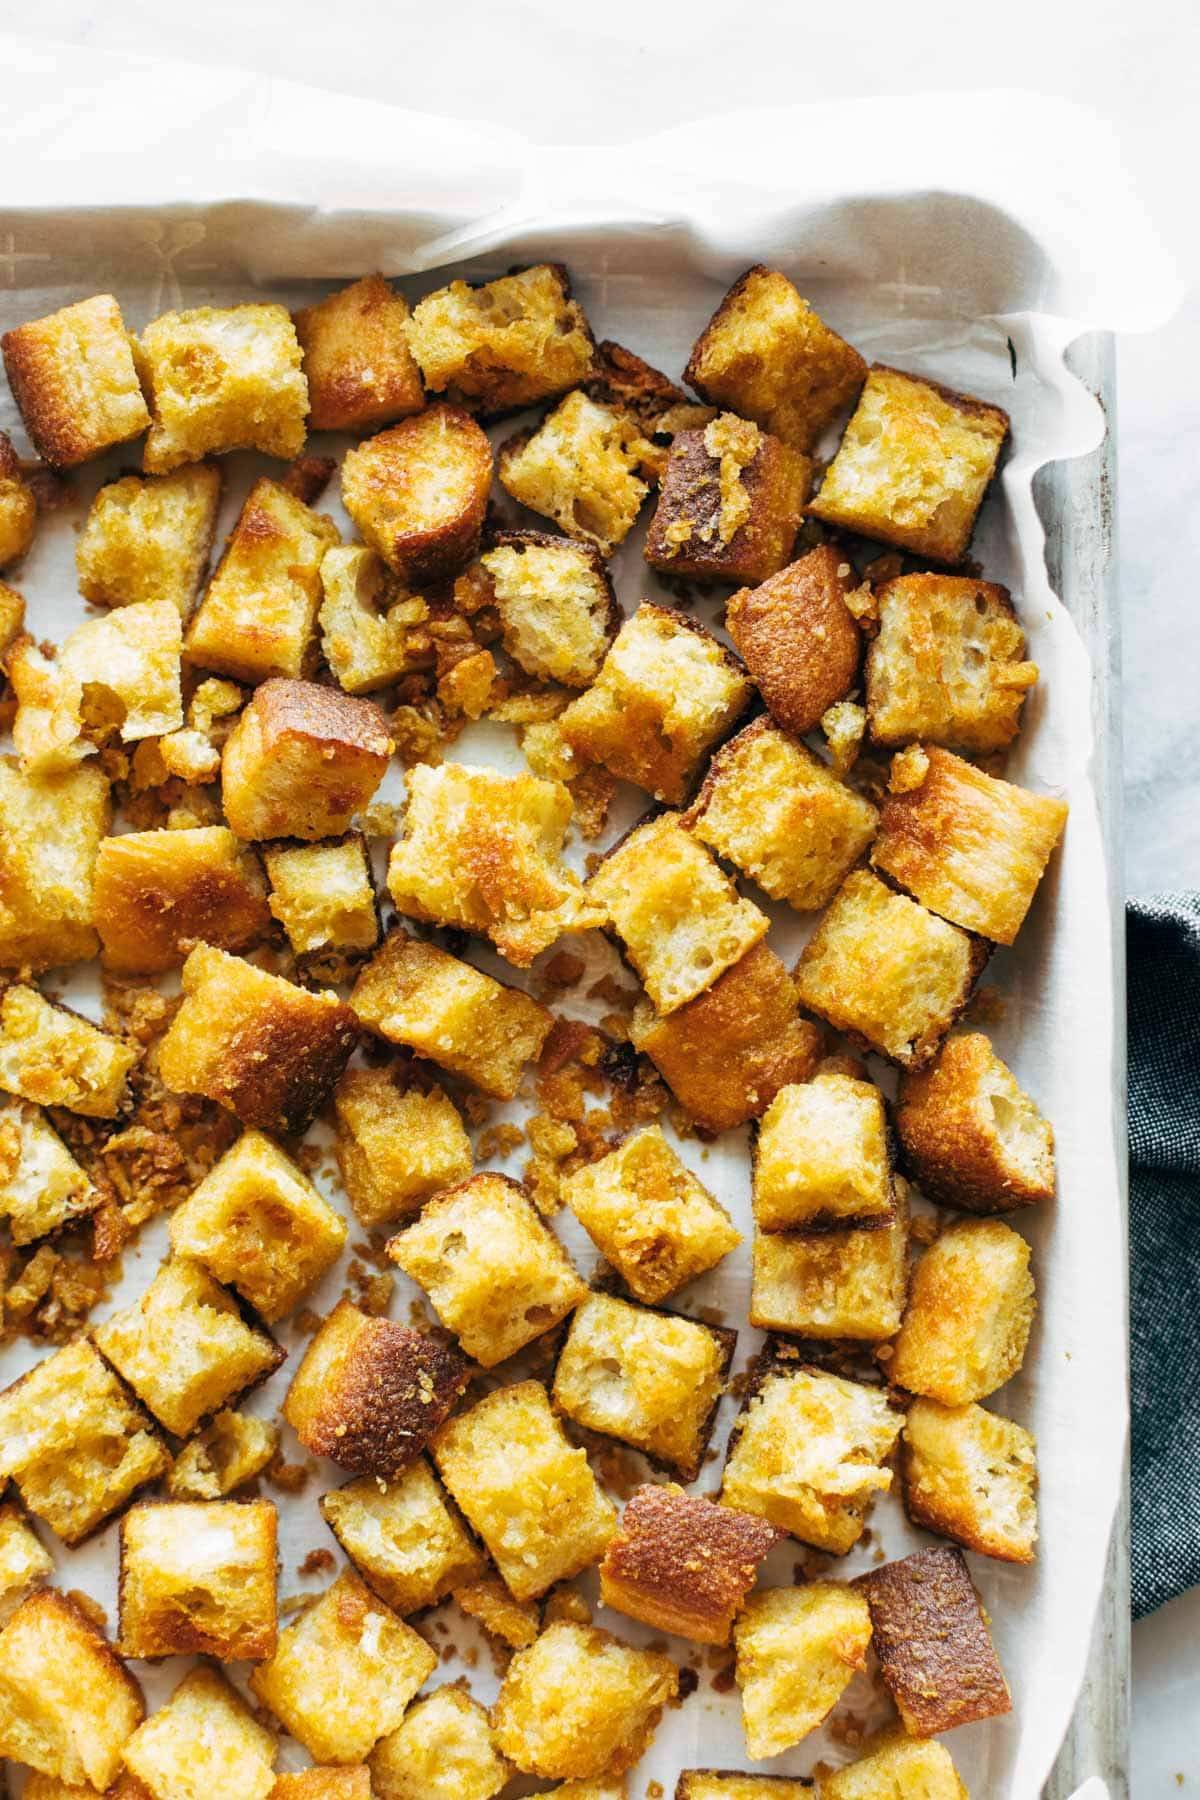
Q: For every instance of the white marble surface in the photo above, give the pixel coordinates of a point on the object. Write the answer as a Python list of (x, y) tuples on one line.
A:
[(605, 72)]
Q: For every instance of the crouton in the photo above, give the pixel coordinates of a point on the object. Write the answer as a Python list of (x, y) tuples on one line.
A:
[(679, 1563), (667, 691), (580, 1702), (324, 897), (204, 1744), (73, 377), (442, 1751), (797, 1651), (68, 1705), (798, 638), (969, 1314), (913, 466), (557, 609), (323, 1784), (46, 903), (373, 630), (972, 1476), (198, 1577), (505, 344), (580, 467), (416, 994), (947, 666), (822, 1156), (357, 361), (722, 1784), (848, 1283), (891, 975), (55, 1057), (158, 893), (623, 381), (726, 1054), (231, 1450), (148, 537), (968, 846), (24, 1564), (896, 1767), (267, 1050), (730, 504), (403, 1536), (972, 1138), (301, 761), (42, 1187), (771, 808), (418, 492), (222, 378), (18, 508), (344, 1673), (396, 1144), (934, 1648), (513, 1622)]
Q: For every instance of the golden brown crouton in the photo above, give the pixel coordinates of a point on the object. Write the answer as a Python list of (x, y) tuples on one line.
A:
[(42, 1187), (148, 537), (556, 604), (727, 1784), (505, 344), (403, 1536), (971, 1475), (971, 1137), (896, 1767), (849, 1283), (230, 1450), (418, 492), (357, 361), (969, 1314), (730, 505), (68, 1705), (46, 900), (822, 1156), (24, 1563), (680, 1563), (798, 638), (198, 1578), (442, 1751), (158, 893), (324, 897), (797, 1650), (581, 468), (396, 1144), (579, 1702), (372, 628), (55, 1057), (18, 508), (222, 378), (204, 1744), (301, 761), (934, 1648), (73, 377)]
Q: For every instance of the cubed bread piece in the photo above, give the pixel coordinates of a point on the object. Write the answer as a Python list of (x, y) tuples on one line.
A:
[(158, 893), (68, 1704), (969, 1314), (798, 638), (680, 1563), (581, 468), (257, 1222), (417, 994), (896, 1767), (73, 377), (931, 1637), (649, 1216), (42, 1187), (184, 1347), (972, 1476), (403, 1536), (651, 1379), (891, 975), (947, 665), (198, 1578), (767, 355), (51, 827), (323, 1784), (24, 1564), (667, 691), (797, 1651), (504, 344), (442, 1751), (344, 1673), (324, 897), (18, 508), (972, 1138), (148, 537), (913, 466), (968, 846), (222, 378), (822, 1156), (397, 1144), (418, 492), (730, 504), (808, 1450), (204, 1744), (301, 761), (848, 1283), (357, 361), (231, 1449), (118, 674), (268, 1050), (580, 1702), (370, 1393), (774, 810), (483, 851), (726, 1054), (514, 1622), (55, 1057), (48, 731), (727, 1784), (527, 1491), (558, 612), (372, 628)]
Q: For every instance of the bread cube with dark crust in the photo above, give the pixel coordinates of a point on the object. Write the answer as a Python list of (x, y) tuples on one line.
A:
[(229, 1451), (18, 507), (148, 537), (934, 1648), (583, 467), (55, 1057), (968, 846), (847, 1283), (730, 504), (72, 375), (969, 1314), (971, 1475), (42, 1187), (682, 1564), (798, 1649), (798, 638), (512, 1622), (323, 895), (895, 1766), (357, 361), (505, 344), (418, 492), (727, 1784), (323, 1784), (301, 761), (913, 466), (68, 1704), (24, 1563), (373, 630), (971, 1137), (558, 612), (204, 1744), (158, 893), (822, 1157), (267, 1050), (403, 1536), (198, 1578), (398, 1143), (222, 378), (442, 1750)]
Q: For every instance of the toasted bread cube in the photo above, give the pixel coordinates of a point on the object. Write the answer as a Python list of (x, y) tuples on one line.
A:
[(913, 466), (158, 893), (73, 1442), (418, 492), (680, 1563), (204, 1744), (199, 1578), (968, 846), (580, 1702), (323, 1784), (947, 666), (678, 914), (344, 1673), (370, 1393), (730, 504), (269, 1051), (771, 808), (48, 729), (808, 1450), (55, 1057), (580, 468), (721, 1784), (372, 628), (797, 1651), (969, 1314), (396, 1145), (822, 1156), (68, 1705), (526, 1490), (403, 1536), (357, 361), (651, 1379), (514, 1622), (324, 897), (556, 604), (442, 1751), (73, 377), (798, 638), (972, 1138), (920, 1606), (505, 344), (972, 1476), (231, 1449), (148, 537), (649, 1216), (42, 1187), (416, 994), (891, 975), (896, 1767), (24, 1564), (301, 761), (666, 693), (496, 1276), (184, 1347), (222, 378), (726, 1054), (18, 508), (849, 1283), (257, 1222)]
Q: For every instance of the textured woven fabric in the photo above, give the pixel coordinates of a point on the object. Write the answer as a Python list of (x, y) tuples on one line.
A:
[(1163, 945)]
